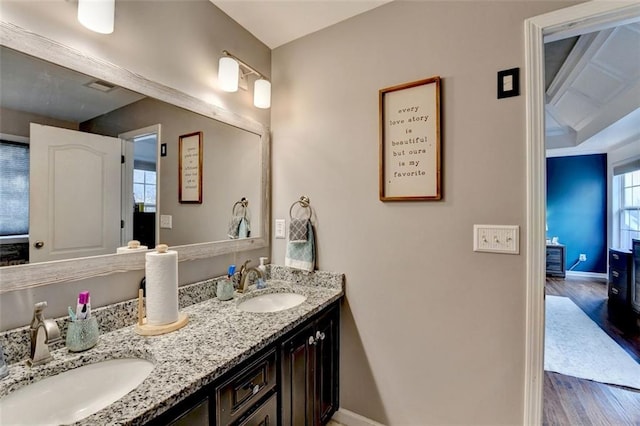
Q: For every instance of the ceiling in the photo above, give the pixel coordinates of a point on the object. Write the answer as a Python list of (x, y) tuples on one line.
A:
[(277, 22), (593, 96), (593, 81)]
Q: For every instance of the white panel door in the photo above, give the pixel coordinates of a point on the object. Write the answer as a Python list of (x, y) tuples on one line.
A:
[(74, 196)]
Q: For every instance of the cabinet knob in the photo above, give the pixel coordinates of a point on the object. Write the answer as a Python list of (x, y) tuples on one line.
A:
[(319, 335), (38, 244), (312, 341)]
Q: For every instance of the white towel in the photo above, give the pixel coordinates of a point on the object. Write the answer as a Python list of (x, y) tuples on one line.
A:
[(244, 229)]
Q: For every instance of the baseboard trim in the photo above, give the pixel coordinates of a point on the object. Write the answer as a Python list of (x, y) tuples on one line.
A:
[(595, 275), (349, 418)]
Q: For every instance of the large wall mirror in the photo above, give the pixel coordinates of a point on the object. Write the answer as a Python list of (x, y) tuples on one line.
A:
[(78, 121)]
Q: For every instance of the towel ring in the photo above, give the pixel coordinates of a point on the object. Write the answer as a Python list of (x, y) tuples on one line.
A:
[(304, 202), (243, 203)]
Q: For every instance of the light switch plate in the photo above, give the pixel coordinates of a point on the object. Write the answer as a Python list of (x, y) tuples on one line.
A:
[(496, 238), (166, 221), (508, 83), (280, 228)]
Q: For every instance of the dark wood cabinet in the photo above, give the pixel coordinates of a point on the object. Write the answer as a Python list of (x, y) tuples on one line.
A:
[(620, 277), (144, 228), (196, 414), (635, 277), (556, 260), (309, 391), (292, 382)]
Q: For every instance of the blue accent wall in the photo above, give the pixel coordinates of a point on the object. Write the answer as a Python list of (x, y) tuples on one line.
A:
[(577, 208)]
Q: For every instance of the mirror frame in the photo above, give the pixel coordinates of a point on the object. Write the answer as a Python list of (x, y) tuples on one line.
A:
[(22, 277)]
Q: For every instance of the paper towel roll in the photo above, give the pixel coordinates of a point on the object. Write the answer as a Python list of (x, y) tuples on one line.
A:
[(132, 247), (162, 287)]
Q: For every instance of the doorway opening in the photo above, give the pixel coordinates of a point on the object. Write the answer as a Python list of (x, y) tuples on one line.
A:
[(580, 19), (141, 185)]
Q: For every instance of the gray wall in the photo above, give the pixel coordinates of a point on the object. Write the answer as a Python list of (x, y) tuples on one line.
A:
[(176, 43), (433, 333)]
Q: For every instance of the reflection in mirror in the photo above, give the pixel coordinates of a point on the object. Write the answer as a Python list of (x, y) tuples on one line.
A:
[(62, 105)]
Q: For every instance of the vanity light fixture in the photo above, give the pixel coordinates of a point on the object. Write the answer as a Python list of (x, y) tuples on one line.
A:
[(97, 15), (229, 68)]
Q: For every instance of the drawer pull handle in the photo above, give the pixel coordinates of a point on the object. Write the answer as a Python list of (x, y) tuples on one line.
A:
[(614, 291), (615, 274), (615, 256), (312, 341), (254, 388), (319, 335)]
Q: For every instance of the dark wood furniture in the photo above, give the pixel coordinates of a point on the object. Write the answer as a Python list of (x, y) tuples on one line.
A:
[(144, 228), (620, 276), (293, 381), (556, 260), (309, 389), (634, 282)]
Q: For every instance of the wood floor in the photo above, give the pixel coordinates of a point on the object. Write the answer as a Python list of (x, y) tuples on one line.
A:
[(572, 401)]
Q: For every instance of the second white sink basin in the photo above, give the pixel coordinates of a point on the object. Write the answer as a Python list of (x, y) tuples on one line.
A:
[(74, 394), (271, 302)]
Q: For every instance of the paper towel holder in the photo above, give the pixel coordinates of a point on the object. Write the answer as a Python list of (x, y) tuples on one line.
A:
[(144, 329)]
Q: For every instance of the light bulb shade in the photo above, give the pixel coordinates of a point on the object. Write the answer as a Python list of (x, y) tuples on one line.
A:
[(97, 15), (228, 74), (262, 93)]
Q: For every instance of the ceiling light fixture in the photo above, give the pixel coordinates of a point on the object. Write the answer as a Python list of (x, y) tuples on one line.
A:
[(97, 15), (228, 76)]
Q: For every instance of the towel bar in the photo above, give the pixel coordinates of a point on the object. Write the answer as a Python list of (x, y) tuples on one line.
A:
[(243, 203), (304, 202)]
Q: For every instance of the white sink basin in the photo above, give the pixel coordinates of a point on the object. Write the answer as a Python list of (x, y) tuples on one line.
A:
[(271, 302), (74, 394)]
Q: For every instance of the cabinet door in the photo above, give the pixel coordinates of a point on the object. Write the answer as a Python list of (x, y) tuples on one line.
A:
[(298, 358), (326, 377)]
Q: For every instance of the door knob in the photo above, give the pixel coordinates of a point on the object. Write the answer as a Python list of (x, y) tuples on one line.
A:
[(38, 244)]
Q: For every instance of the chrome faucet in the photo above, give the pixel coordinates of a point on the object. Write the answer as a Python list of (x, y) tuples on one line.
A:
[(43, 333), (244, 273)]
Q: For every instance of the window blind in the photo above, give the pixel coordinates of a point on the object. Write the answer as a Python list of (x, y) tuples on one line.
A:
[(14, 188)]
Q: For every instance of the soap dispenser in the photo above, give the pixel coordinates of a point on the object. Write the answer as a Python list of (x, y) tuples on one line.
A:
[(262, 267)]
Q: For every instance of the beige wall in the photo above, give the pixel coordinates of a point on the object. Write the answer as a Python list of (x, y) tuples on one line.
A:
[(177, 43), (433, 333)]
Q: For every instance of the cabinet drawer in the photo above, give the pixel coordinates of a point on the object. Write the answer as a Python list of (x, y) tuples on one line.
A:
[(265, 415), (619, 260), (244, 389), (554, 256), (618, 277)]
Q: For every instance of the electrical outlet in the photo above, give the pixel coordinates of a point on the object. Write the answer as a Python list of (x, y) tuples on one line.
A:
[(583, 257)]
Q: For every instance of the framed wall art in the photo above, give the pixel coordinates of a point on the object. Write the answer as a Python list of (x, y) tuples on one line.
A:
[(410, 146), (190, 168)]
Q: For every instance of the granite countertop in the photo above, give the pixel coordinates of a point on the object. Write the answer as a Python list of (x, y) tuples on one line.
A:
[(218, 337)]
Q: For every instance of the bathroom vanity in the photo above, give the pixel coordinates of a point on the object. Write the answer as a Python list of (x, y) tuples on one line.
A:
[(226, 366), (291, 382)]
